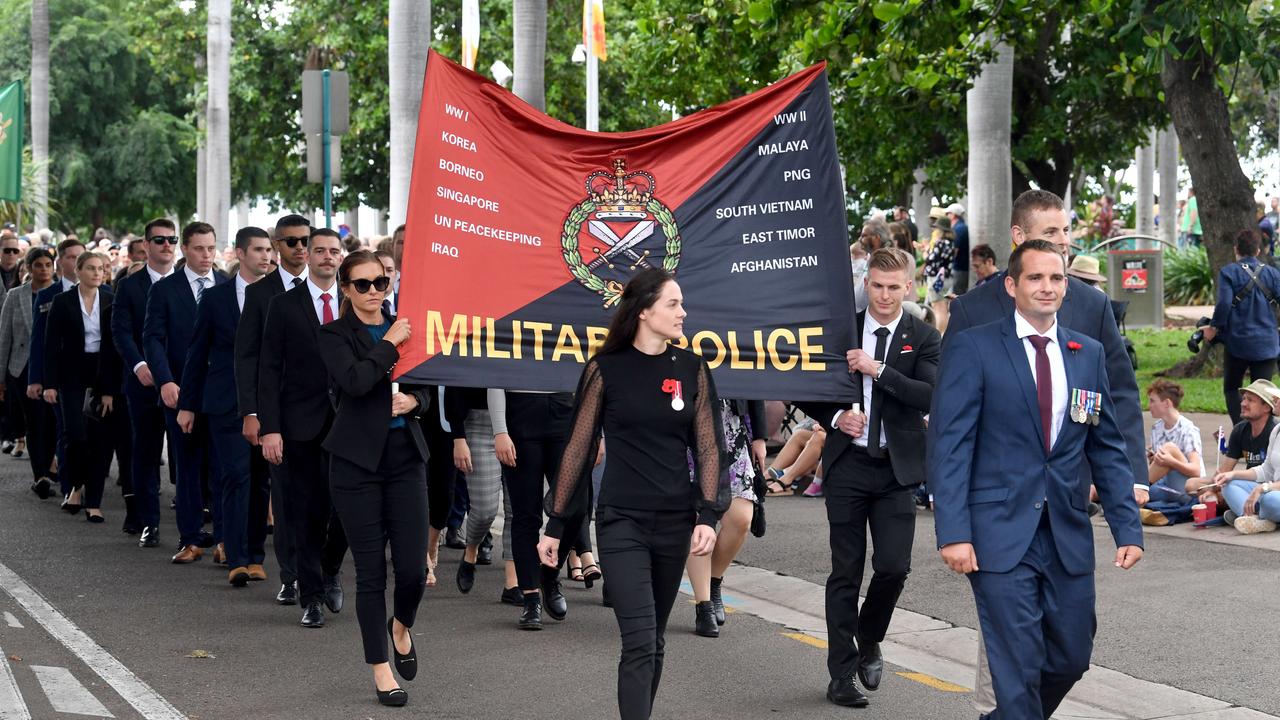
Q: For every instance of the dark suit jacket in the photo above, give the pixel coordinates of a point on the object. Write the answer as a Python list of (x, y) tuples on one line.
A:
[(257, 298), (988, 469), (39, 320), (360, 382), (129, 310), (169, 324), (64, 356), (1086, 311), (900, 399), (208, 375), (293, 387)]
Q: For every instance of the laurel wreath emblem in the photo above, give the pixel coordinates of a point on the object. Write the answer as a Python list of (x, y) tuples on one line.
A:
[(611, 290)]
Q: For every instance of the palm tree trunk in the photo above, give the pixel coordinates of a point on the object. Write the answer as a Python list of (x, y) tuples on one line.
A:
[(990, 176), (1144, 190), (529, 45), (1167, 152), (218, 190), (40, 109), (408, 39)]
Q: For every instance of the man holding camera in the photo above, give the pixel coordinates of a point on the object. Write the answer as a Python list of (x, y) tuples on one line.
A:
[(1244, 319)]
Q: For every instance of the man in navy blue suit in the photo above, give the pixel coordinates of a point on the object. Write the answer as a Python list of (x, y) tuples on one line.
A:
[(209, 388), (146, 419), (166, 336), (1021, 406), (69, 252)]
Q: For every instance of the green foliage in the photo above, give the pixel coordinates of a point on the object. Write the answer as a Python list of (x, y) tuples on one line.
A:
[(1188, 277), (1159, 350)]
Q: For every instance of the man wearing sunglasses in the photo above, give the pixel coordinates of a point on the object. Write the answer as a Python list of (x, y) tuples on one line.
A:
[(10, 256), (146, 419), (166, 336), (293, 234)]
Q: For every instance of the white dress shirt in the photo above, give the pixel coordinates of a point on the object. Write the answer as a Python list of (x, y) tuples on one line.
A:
[(241, 286), (1057, 370), (156, 276), (194, 281), (318, 304), (66, 284), (869, 327), (287, 277), (92, 323)]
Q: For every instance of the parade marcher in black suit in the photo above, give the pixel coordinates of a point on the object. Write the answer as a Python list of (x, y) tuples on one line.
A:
[(79, 357), (295, 412), (293, 234), (378, 467), (209, 388), (657, 404), (872, 462), (15, 351), (69, 252)]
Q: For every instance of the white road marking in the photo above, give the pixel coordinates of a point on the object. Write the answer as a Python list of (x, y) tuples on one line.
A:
[(12, 621), (149, 704), (66, 694), (12, 706)]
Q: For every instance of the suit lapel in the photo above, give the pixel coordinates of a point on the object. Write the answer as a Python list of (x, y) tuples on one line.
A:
[(1073, 371), (1066, 313), (1013, 345), (900, 339)]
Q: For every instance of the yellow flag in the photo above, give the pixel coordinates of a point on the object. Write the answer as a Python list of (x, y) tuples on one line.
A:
[(593, 28)]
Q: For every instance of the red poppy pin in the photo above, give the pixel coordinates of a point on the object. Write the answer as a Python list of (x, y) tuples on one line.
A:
[(906, 348), (675, 389), (1073, 346)]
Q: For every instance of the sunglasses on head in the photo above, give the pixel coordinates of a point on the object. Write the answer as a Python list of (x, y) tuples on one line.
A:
[(12, 251), (363, 285), (162, 239), (293, 241)]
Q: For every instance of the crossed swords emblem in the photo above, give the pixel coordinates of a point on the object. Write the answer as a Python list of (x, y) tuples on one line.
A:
[(620, 245)]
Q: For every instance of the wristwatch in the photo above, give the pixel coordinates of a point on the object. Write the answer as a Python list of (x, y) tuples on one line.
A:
[(1266, 487), (879, 371)]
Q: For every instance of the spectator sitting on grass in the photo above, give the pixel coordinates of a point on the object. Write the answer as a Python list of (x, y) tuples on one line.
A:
[(1247, 441), (1174, 456), (799, 457)]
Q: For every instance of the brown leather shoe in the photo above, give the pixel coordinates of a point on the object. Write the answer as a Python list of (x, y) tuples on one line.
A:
[(257, 572), (220, 555), (188, 554), (238, 577)]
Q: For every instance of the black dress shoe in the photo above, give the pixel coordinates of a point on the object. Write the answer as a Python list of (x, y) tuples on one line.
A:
[(313, 617), (288, 594), (130, 527), (704, 616), (552, 598), (333, 597), (453, 539), (43, 488), (512, 596), (392, 698), (484, 556), (845, 692), (150, 537), (870, 664), (96, 519), (206, 541), (466, 577), (717, 602), (406, 664), (69, 507), (531, 618)]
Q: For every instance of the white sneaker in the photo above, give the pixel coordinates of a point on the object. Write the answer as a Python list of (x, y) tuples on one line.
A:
[(1250, 524)]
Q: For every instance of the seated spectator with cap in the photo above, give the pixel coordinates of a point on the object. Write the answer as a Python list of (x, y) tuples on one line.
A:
[(1247, 441), (1086, 268), (1173, 457), (1253, 494)]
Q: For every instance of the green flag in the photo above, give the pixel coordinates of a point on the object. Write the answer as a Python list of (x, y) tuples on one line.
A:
[(11, 102)]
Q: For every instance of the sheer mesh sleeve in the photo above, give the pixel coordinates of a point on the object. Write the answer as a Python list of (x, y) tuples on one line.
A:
[(568, 496), (709, 452)]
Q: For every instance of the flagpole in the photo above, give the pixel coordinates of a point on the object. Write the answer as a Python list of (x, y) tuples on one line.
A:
[(593, 78)]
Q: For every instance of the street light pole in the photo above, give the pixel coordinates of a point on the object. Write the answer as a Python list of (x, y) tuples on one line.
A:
[(324, 138)]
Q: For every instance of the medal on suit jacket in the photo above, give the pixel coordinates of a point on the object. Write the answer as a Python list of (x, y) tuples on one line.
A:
[(675, 389), (1077, 406)]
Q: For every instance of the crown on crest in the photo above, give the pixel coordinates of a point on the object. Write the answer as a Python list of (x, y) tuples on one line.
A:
[(620, 195)]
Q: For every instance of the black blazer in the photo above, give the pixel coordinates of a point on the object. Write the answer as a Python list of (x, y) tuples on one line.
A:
[(360, 382), (64, 346), (293, 387), (257, 299), (128, 312), (167, 328), (900, 398), (208, 379)]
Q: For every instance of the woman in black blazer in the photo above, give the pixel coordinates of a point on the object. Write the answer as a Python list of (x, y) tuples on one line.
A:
[(80, 357), (378, 466)]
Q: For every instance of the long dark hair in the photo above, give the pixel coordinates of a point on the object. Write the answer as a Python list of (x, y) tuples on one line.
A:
[(351, 262), (639, 295)]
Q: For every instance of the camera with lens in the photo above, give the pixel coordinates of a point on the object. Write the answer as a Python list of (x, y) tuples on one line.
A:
[(1197, 338)]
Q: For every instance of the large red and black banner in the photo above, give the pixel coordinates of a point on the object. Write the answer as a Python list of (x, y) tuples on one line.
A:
[(522, 232)]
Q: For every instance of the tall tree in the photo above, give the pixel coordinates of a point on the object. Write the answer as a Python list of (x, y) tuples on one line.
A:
[(218, 120), (40, 107), (990, 175), (408, 40), (529, 46)]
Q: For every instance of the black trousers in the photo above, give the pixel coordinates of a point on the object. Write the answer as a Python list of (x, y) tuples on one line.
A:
[(644, 553), (539, 429), (377, 509), (87, 439), (861, 491), (317, 533), (37, 416), (1233, 369), (441, 475), (282, 535), (15, 391)]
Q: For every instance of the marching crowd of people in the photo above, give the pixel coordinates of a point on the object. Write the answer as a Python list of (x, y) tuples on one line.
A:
[(268, 376)]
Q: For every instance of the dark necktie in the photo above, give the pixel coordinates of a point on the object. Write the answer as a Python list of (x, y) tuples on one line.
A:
[(873, 434), (297, 282), (1044, 388)]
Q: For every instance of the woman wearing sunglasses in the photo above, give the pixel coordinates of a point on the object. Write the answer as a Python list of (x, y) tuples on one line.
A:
[(378, 469)]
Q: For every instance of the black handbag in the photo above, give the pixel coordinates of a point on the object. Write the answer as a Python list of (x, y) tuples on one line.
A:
[(757, 508)]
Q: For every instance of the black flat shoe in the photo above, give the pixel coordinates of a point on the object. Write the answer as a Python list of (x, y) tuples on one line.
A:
[(95, 519), (531, 618), (845, 692), (453, 539), (43, 488), (288, 594), (333, 597), (717, 600), (466, 577), (704, 616), (484, 555), (150, 537), (512, 596), (313, 617), (406, 664), (870, 665), (392, 698), (69, 507), (552, 597)]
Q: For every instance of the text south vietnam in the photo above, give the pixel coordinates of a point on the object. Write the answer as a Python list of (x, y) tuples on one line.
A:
[(474, 336)]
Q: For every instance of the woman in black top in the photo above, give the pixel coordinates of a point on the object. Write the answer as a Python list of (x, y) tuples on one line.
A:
[(657, 404), (79, 356), (378, 467)]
